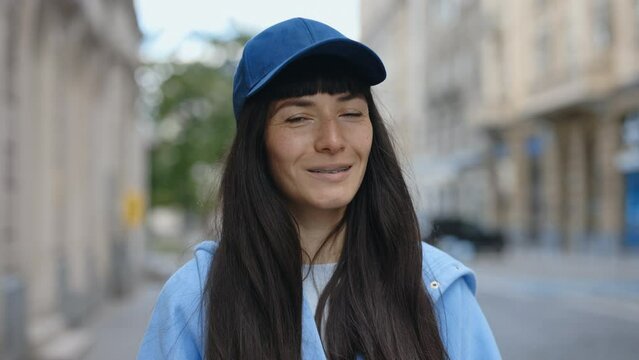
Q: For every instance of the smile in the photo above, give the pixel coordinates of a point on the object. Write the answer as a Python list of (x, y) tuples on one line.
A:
[(330, 170)]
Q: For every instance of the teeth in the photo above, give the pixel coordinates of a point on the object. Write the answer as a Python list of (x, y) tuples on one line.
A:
[(329, 171)]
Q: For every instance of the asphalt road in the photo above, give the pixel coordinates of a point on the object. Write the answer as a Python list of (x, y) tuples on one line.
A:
[(559, 313)]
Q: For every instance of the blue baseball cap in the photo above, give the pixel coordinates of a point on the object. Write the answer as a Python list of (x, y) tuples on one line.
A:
[(270, 51)]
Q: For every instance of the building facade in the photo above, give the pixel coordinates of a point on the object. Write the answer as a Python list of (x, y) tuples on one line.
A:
[(521, 115), (432, 53), (561, 96), (70, 150)]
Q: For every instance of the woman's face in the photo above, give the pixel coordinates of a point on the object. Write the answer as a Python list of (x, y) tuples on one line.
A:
[(318, 148)]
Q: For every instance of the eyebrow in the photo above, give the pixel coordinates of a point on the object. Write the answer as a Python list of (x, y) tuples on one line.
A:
[(349, 96), (301, 102), (293, 102)]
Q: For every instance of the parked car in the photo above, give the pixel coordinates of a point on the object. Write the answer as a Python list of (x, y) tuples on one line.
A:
[(482, 240)]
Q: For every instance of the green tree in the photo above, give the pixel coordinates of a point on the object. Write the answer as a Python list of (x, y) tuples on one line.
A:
[(194, 125)]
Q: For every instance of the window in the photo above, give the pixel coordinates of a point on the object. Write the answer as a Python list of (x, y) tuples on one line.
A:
[(542, 50), (540, 5), (630, 134), (447, 11), (570, 52), (637, 19), (534, 147), (602, 26)]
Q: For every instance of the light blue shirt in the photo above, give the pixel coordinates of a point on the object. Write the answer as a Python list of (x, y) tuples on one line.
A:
[(176, 328)]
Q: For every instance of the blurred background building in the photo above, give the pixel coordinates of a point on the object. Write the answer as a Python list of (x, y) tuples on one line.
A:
[(72, 170), (520, 115)]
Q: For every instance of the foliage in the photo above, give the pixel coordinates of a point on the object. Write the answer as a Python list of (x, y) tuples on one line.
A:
[(194, 125)]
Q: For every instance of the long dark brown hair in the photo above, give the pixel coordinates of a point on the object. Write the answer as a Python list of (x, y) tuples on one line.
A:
[(379, 306)]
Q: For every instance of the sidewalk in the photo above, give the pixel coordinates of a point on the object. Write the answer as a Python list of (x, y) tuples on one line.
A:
[(119, 327)]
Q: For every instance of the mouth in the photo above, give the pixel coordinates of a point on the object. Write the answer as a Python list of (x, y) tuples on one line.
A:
[(330, 169)]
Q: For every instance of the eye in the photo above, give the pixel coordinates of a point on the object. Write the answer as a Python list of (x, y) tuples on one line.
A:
[(352, 114), (297, 119)]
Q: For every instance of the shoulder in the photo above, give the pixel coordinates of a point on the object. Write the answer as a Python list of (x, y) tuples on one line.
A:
[(462, 324), (190, 279), (440, 271), (203, 255)]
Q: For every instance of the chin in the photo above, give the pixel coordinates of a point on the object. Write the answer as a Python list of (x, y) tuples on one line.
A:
[(332, 204)]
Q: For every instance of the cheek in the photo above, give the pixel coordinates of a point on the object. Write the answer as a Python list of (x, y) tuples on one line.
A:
[(282, 152), (364, 142)]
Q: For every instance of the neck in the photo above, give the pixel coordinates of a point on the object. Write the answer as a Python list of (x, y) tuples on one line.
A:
[(315, 227)]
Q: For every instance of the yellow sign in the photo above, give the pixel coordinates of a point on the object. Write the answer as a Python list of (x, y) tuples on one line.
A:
[(133, 208)]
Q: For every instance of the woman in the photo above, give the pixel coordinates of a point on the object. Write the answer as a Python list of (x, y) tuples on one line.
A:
[(319, 255)]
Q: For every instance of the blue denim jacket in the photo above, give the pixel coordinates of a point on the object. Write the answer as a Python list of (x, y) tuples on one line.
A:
[(176, 331)]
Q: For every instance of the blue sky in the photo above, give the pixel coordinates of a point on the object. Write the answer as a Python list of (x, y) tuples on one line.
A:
[(166, 24)]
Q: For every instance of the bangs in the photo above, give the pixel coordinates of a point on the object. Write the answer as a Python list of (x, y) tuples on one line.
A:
[(313, 75)]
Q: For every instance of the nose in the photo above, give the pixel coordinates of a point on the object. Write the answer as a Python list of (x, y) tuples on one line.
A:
[(329, 137)]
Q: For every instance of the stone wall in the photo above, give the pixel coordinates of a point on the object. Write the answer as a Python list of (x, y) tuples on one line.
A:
[(70, 149)]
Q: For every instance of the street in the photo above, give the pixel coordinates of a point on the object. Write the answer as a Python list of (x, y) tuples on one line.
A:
[(543, 328), (561, 307)]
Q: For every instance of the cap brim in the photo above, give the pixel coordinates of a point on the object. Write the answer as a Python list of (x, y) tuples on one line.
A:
[(370, 66)]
